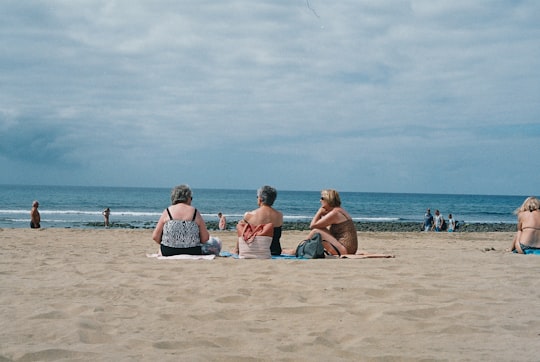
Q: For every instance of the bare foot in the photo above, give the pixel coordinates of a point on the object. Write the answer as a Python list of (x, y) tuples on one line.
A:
[(288, 251)]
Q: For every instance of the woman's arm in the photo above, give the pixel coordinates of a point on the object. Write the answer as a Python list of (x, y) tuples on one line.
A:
[(247, 216), (203, 231), (158, 230), (517, 238), (280, 219), (323, 219)]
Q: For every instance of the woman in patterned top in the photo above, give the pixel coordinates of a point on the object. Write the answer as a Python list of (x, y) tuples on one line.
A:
[(181, 228)]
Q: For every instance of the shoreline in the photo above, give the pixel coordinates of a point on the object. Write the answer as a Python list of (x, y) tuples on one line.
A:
[(410, 227), (379, 226)]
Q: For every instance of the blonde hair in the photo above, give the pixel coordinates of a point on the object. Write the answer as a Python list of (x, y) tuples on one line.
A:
[(332, 197), (531, 203)]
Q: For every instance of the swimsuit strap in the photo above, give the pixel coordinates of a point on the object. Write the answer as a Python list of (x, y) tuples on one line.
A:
[(194, 214), (342, 213)]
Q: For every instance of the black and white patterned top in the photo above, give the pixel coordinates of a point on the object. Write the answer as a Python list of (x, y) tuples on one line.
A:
[(181, 233)]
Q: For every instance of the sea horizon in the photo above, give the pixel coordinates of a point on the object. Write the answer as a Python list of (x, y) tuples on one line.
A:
[(140, 207), (255, 189)]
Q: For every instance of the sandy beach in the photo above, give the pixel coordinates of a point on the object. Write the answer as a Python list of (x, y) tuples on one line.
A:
[(94, 295)]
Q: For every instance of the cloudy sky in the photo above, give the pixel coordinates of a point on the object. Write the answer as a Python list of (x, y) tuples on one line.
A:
[(362, 95)]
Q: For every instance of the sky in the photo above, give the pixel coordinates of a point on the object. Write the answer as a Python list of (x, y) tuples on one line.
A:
[(369, 96)]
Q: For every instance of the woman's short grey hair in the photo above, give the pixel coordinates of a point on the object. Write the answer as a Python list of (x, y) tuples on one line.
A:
[(267, 194), (180, 194)]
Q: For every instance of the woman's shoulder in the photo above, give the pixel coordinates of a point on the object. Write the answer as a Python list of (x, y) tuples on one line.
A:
[(181, 211), (181, 207), (249, 214), (533, 216), (341, 211), (278, 218), (264, 216), (275, 216), (275, 213)]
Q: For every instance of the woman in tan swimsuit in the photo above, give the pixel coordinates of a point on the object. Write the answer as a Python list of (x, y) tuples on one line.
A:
[(337, 228), (335, 225), (527, 238)]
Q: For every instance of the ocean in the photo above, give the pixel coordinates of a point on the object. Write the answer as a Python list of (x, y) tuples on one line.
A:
[(131, 207)]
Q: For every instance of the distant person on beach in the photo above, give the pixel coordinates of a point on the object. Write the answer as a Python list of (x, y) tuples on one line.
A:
[(222, 221), (181, 228), (451, 223), (527, 239), (428, 220), (106, 213), (439, 223), (255, 221), (35, 217)]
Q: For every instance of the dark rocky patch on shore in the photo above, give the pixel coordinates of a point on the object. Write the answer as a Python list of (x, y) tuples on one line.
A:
[(360, 226), (394, 226), (417, 227)]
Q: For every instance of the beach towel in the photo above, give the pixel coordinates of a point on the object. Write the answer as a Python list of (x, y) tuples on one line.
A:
[(287, 256), (181, 257), (228, 254), (365, 256)]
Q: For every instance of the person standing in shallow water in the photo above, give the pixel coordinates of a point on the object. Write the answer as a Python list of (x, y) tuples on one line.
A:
[(106, 213), (35, 217), (222, 221)]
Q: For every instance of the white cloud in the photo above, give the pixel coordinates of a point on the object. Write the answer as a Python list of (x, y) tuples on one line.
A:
[(366, 93)]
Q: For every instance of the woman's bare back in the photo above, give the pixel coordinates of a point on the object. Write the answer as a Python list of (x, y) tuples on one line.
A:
[(529, 222)]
